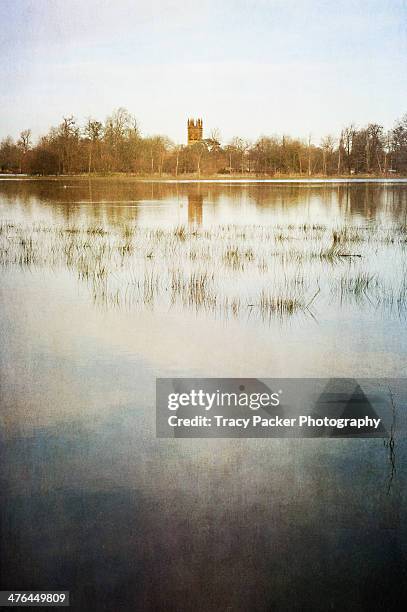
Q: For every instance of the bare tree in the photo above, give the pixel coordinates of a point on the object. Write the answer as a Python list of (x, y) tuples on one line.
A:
[(327, 146), (348, 135), (24, 145), (68, 136), (215, 135), (309, 155), (93, 133), (118, 146), (177, 150)]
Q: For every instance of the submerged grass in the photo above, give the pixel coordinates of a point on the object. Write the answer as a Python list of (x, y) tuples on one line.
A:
[(269, 270), (279, 305)]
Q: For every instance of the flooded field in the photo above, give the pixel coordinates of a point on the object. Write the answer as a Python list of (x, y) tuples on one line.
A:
[(107, 285)]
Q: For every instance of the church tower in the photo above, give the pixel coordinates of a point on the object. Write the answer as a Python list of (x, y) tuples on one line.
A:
[(195, 128)]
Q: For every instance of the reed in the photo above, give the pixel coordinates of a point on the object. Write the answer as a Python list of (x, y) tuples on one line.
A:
[(230, 269)]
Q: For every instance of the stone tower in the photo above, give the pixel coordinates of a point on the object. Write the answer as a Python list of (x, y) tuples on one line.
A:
[(194, 131)]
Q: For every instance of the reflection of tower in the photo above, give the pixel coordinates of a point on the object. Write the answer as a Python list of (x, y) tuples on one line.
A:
[(195, 129), (195, 209)]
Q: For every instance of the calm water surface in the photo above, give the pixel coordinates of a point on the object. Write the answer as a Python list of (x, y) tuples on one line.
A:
[(123, 282)]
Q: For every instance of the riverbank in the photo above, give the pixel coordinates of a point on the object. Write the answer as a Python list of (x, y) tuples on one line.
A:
[(221, 178)]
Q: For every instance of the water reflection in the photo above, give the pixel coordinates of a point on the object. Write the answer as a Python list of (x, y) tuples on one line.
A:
[(195, 206), (119, 201), (91, 500)]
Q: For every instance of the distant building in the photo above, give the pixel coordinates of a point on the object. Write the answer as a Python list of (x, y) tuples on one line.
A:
[(195, 129)]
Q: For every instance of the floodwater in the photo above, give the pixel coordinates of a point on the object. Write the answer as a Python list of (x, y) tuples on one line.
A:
[(107, 285)]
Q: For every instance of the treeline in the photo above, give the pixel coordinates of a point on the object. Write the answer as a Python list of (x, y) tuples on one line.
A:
[(118, 146)]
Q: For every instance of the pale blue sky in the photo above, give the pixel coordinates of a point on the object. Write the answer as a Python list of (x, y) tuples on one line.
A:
[(247, 67)]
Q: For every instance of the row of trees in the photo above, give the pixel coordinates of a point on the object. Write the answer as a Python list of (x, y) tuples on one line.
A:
[(118, 146)]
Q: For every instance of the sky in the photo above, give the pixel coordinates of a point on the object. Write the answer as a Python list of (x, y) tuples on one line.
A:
[(247, 67)]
